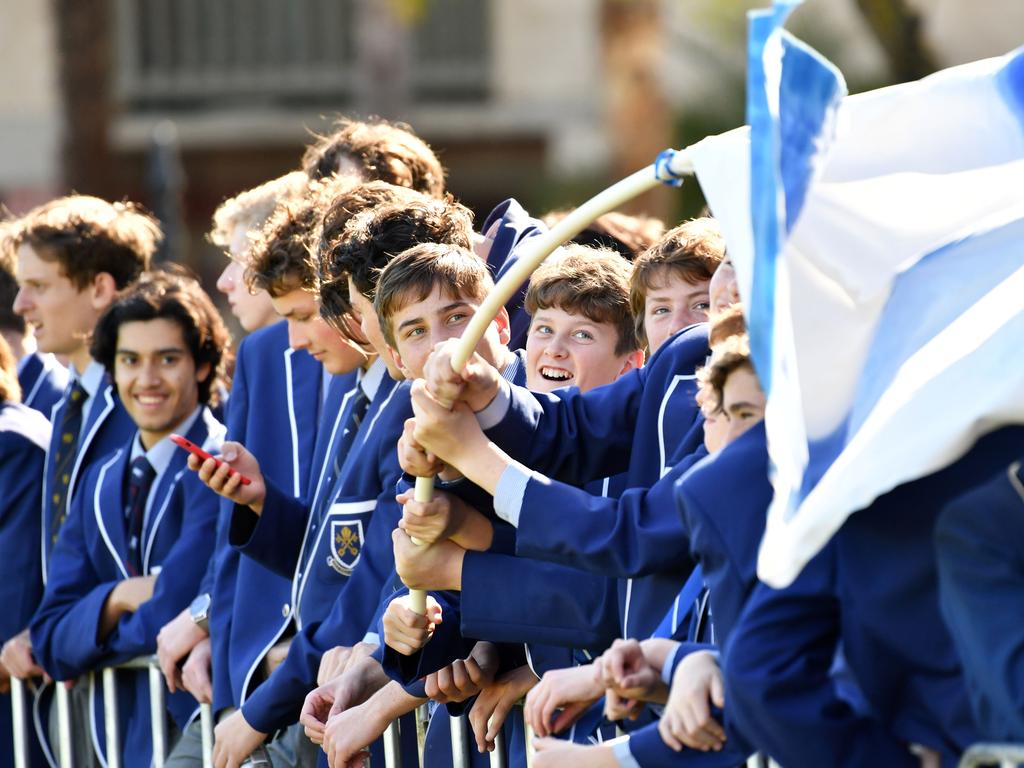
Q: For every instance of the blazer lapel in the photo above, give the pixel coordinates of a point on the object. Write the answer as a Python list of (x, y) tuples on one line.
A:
[(107, 505)]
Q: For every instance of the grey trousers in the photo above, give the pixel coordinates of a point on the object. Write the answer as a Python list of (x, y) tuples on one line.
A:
[(290, 750)]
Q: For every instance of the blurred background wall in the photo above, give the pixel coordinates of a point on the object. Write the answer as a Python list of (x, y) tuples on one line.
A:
[(181, 103)]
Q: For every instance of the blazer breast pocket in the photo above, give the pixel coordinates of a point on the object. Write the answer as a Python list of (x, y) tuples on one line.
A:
[(342, 538)]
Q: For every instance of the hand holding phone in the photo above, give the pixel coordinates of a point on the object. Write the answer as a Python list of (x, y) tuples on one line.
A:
[(202, 455)]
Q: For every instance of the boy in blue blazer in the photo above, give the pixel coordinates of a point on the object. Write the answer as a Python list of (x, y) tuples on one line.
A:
[(453, 282), (140, 533), (873, 590), (978, 545), (41, 377), (346, 543), (73, 256), (234, 623), (24, 435)]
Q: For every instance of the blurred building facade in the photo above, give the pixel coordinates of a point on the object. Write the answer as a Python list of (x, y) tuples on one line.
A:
[(541, 100)]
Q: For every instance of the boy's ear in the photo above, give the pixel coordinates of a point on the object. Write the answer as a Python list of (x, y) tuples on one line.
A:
[(398, 362), (103, 290), (504, 326), (634, 359), (203, 372)]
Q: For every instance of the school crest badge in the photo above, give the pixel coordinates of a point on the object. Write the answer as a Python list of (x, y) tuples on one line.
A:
[(346, 545)]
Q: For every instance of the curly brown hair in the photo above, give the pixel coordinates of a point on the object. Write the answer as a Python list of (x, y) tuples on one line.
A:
[(88, 236), (376, 236), (175, 295), (251, 208), (280, 258), (378, 150), (728, 356)]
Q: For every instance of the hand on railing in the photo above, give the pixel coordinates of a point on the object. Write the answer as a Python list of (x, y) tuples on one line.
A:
[(234, 740), (195, 675), (557, 753), (347, 734), (362, 678), (464, 678), (630, 678), (697, 685), (495, 702), (174, 642), (18, 660), (333, 663), (572, 690)]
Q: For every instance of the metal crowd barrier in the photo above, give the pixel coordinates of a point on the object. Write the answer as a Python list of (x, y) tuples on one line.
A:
[(111, 720), (1003, 755), (461, 743), (460, 729)]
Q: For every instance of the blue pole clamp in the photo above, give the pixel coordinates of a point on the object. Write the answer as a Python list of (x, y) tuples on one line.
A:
[(663, 169)]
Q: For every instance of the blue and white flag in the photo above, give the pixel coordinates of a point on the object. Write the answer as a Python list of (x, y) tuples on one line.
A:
[(878, 240)]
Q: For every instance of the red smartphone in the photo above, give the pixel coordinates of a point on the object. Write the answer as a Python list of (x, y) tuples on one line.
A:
[(191, 447)]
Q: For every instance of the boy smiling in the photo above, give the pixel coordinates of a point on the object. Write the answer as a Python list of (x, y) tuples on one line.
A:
[(129, 558)]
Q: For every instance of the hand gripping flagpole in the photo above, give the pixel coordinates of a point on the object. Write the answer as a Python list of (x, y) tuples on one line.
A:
[(669, 168)]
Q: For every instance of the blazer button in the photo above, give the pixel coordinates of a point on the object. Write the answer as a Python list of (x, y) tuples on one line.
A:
[(285, 610)]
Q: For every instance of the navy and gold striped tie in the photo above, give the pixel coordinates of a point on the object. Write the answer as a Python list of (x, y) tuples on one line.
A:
[(64, 456), (140, 479)]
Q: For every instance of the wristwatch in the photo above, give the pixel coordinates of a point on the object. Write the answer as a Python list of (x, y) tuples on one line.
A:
[(200, 611)]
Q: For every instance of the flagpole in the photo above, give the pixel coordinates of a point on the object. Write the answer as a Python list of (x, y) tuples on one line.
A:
[(669, 168)]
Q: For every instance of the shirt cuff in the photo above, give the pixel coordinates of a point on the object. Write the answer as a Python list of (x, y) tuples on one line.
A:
[(670, 666), (492, 415), (372, 638), (620, 748), (508, 496)]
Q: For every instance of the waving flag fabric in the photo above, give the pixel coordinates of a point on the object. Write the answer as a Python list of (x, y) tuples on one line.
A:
[(879, 244)]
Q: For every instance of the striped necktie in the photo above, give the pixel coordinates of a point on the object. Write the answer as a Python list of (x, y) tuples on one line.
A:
[(64, 455), (342, 445), (140, 480)]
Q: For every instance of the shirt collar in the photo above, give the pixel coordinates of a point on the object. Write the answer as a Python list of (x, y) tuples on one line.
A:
[(92, 379), (512, 370), (160, 455), (371, 379)]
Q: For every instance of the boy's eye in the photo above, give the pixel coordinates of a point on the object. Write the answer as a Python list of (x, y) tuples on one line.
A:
[(544, 329), (584, 335), (458, 317), (127, 360), (414, 331), (702, 306), (169, 359), (660, 311)]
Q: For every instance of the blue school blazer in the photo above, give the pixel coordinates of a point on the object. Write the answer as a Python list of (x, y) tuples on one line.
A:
[(874, 590), (24, 435), (89, 560), (626, 426), (273, 411), (513, 228), (43, 381), (346, 556), (106, 429)]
